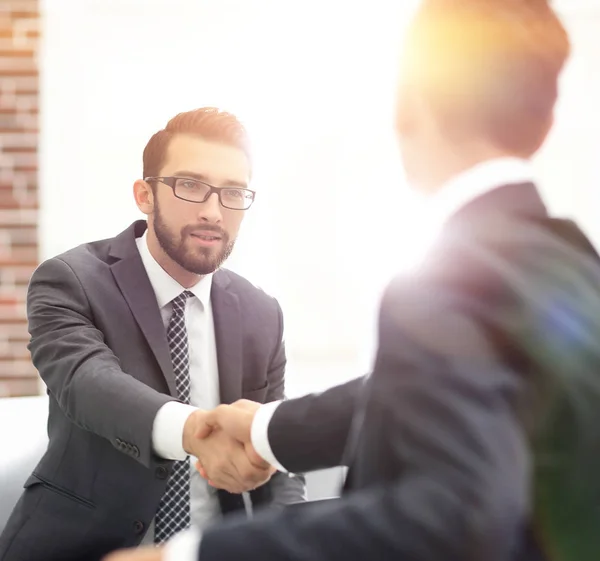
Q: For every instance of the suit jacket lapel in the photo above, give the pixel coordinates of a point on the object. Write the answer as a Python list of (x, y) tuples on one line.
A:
[(130, 275), (227, 315)]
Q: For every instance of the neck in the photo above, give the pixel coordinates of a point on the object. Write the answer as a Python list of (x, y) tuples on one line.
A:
[(457, 160), (173, 269)]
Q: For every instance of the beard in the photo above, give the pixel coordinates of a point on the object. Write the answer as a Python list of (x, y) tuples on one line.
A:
[(199, 260)]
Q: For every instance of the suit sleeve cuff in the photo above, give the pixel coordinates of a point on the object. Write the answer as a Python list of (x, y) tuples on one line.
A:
[(259, 434), (183, 547), (167, 430)]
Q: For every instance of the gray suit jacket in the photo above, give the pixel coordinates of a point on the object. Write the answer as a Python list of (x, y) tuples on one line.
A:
[(99, 343)]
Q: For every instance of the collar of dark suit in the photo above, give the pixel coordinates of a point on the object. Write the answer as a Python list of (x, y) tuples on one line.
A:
[(491, 218), (475, 182), (123, 246), (507, 201)]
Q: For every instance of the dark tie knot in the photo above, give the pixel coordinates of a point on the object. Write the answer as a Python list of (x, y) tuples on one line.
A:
[(179, 301)]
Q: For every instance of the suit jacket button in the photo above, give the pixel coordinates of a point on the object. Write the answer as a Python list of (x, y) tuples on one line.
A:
[(162, 472), (138, 527), (136, 451)]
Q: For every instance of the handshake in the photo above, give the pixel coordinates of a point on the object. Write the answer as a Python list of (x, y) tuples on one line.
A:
[(220, 440)]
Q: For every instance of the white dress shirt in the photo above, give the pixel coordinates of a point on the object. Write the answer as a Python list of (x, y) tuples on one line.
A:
[(167, 433), (449, 199)]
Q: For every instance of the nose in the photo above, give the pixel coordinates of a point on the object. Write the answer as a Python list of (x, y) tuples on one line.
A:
[(210, 210)]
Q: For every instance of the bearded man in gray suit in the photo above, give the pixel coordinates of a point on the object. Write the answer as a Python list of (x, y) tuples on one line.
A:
[(134, 336)]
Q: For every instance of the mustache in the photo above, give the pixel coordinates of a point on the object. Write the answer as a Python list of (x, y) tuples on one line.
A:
[(213, 228)]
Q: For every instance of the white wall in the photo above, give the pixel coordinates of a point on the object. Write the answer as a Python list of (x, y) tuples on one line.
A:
[(314, 81), (569, 165)]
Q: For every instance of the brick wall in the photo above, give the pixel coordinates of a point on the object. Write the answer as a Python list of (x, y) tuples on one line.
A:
[(19, 30)]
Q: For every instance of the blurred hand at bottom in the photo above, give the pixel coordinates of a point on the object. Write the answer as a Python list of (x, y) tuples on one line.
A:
[(137, 554)]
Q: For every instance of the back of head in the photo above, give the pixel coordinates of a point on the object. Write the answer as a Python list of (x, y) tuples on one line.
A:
[(488, 67)]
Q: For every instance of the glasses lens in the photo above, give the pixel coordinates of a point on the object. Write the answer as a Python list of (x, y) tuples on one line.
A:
[(239, 199), (191, 190)]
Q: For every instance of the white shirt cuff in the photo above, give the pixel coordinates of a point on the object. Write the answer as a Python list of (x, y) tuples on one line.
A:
[(259, 434), (167, 430), (183, 547)]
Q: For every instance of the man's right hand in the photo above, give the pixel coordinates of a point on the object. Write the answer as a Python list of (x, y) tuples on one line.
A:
[(226, 461)]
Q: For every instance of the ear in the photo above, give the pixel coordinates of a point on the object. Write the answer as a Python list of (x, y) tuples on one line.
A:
[(547, 129), (410, 108), (144, 196)]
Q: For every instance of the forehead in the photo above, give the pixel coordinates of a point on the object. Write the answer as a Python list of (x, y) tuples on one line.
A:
[(215, 161)]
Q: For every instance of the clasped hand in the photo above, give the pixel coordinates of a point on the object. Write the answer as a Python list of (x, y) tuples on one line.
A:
[(220, 440)]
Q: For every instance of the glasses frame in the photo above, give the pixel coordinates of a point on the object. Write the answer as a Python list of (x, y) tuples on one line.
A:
[(170, 181)]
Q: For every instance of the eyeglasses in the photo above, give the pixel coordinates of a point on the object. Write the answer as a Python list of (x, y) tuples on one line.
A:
[(195, 191)]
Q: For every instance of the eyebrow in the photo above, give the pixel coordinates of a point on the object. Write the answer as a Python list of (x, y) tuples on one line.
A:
[(203, 178)]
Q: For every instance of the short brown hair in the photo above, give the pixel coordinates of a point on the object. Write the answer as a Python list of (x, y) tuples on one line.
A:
[(209, 123), (490, 65)]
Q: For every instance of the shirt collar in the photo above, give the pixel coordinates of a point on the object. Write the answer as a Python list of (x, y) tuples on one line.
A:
[(165, 286), (477, 181)]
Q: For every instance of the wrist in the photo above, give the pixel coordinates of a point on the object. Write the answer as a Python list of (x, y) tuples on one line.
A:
[(190, 429)]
